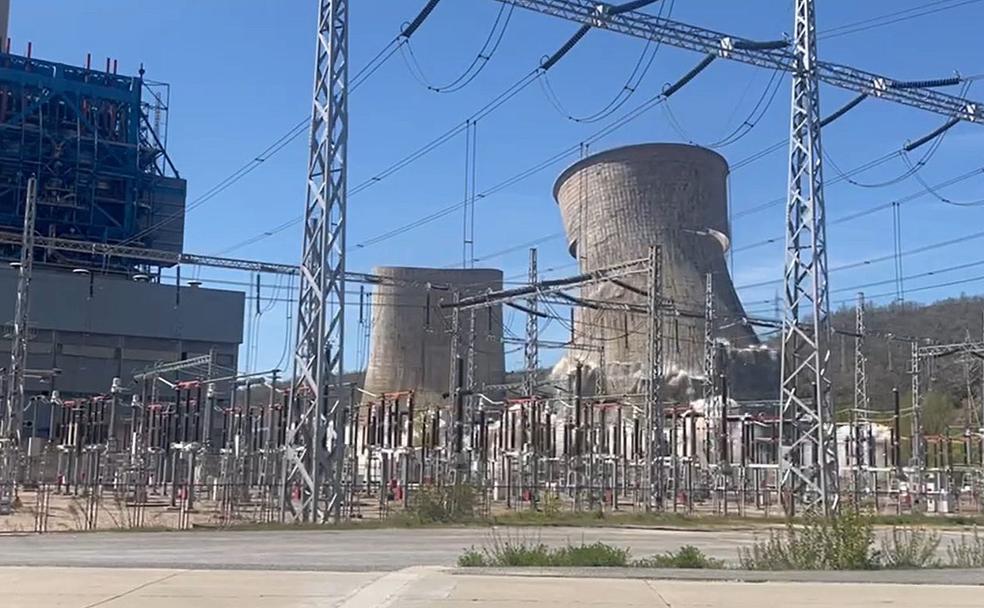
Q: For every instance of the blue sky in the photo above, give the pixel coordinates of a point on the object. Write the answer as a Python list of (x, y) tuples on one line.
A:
[(240, 73)]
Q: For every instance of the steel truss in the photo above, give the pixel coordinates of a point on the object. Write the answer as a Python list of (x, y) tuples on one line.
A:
[(12, 422), (920, 353), (775, 55), (315, 449), (808, 446)]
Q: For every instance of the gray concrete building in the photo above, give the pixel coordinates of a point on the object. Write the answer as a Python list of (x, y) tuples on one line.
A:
[(94, 327)]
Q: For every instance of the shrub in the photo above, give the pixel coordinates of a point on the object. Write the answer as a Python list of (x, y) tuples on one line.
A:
[(687, 556), (505, 551), (840, 542), (442, 504), (593, 555), (550, 505), (471, 558), (967, 553), (910, 547)]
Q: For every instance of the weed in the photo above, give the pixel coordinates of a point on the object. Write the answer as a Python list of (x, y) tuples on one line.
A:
[(910, 547), (551, 505), (687, 556), (472, 558), (442, 504), (593, 555), (505, 550), (967, 553), (841, 542)]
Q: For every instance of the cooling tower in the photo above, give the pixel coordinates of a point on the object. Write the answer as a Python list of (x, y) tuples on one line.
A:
[(411, 334), (614, 206)]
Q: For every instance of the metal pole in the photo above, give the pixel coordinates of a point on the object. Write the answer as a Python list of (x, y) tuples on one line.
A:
[(4, 24)]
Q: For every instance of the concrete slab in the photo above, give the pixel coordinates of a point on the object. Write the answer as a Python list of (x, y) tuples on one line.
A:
[(335, 550), (338, 550), (142, 588), (43, 587), (510, 591)]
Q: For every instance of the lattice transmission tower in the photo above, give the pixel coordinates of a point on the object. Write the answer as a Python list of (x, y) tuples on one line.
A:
[(315, 450)]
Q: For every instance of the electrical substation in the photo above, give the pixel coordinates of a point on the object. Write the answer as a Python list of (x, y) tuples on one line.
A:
[(124, 403)]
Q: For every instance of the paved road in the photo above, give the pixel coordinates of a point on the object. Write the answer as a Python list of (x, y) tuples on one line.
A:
[(43, 587), (341, 550)]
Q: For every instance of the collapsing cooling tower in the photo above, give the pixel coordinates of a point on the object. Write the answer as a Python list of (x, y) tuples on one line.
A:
[(411, 346), (614, 206)]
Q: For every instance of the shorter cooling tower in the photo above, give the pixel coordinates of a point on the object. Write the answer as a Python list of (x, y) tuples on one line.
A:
[(614, 206), (411, 345)]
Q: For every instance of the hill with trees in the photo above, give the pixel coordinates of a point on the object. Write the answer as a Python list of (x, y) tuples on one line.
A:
[(952, 384)]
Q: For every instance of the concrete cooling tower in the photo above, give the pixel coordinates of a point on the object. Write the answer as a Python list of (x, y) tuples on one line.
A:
[(411, 346), (614, 206)]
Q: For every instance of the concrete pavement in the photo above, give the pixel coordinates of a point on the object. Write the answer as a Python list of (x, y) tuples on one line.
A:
[(42, 587), (335, 550), (338, 550)]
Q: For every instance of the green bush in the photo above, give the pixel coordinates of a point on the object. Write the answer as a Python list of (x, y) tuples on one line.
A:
[(967, 553), (472, 558), (840, 542), (505, 551), (910, 547), (442, 504), (687, 556), (593, 555)]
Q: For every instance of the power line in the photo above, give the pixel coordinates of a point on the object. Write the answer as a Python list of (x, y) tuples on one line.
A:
[(883, 258), (864, 25), (482, 58), (624, 94), (853, 216), (270, 151)]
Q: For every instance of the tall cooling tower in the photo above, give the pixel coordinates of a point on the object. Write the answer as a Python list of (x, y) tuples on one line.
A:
[(411, 346), (614, 206)]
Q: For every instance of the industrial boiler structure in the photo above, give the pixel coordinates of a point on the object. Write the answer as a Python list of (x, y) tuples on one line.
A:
[(95, 141)]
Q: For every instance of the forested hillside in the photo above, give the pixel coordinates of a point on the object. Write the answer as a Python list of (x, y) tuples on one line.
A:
[(952, 383)]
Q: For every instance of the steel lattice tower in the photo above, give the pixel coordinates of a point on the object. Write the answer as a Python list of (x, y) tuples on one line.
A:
[(860, 423), (315, 449), (808, 454), (15, 396), (532, 347), (654, 441)]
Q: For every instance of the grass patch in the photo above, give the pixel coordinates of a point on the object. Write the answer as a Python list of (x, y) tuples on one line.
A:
[(687, 556), (510, 549), (442, 504)]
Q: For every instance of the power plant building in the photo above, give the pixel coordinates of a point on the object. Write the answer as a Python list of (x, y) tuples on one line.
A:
[(411, 333), (95, 141), (615, 205)]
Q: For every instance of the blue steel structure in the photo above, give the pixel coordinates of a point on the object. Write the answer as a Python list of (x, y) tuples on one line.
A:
[(94, 141)]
